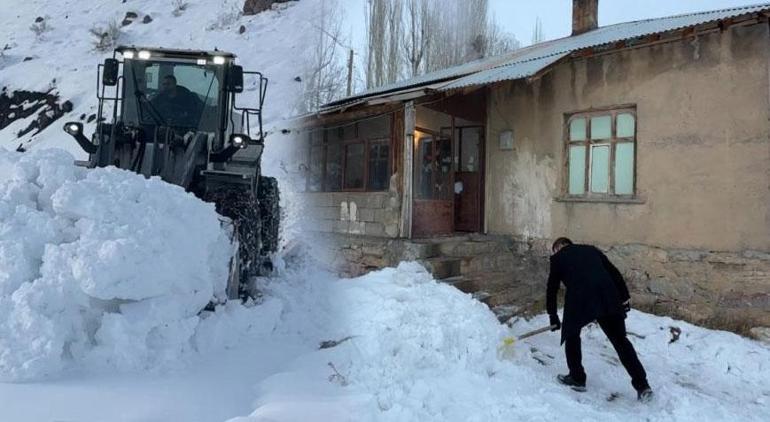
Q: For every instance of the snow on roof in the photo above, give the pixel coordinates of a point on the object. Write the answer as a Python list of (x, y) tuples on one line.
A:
[(530, 60)]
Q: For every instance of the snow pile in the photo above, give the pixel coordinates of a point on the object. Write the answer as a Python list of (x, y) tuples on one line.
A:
[(403, 347), (100, 267)]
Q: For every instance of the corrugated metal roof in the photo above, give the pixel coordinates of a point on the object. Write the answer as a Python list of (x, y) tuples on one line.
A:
[(525, 62), (521, 69)]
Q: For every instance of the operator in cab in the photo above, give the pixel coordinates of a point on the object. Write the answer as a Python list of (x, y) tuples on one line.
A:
[(177, 105)]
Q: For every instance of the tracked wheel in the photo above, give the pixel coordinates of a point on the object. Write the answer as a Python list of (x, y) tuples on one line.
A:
[(270, 212), (239, 204)]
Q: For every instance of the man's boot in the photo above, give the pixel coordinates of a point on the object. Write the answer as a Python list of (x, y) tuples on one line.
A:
[(572, 383)]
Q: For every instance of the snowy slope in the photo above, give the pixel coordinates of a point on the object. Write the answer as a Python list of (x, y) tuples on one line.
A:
[(274, 42)]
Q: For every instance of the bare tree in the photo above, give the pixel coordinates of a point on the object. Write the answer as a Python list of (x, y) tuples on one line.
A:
[(433, 34), (395, 21), (325, 77), (376, 28), (415, 40), (498, 41), (537, 32)]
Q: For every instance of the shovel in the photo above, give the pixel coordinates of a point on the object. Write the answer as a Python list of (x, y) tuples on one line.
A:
[(507, 346)]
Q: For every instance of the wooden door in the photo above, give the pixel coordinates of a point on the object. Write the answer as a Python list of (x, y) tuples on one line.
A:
[(433, 211), (468, 178)]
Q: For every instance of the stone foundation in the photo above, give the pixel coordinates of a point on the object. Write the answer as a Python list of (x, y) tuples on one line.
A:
[(720, 290), (373, 214)]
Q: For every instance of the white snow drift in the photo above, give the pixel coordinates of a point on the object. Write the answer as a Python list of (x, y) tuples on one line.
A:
[(101, 266), (418, 350)]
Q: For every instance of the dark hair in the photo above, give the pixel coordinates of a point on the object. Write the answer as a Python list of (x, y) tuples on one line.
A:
[(560, 242), (171, 78)]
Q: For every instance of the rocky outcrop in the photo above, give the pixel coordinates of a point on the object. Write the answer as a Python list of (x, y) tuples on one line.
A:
[(252, 7), (16, 105)]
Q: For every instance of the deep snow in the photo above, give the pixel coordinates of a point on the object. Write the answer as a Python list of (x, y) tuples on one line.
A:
[(101, 268), (416, 350), (423, 351), (103, 273)]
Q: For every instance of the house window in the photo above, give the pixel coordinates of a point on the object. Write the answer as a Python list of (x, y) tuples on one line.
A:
[(379, 165), (601, 153), (353, 157), (354, 166)]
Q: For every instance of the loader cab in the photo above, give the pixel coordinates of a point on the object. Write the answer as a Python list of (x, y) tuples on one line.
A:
[(174, 113), (176, 92)]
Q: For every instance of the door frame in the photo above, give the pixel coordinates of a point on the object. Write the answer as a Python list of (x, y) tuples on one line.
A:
[(482, 168)]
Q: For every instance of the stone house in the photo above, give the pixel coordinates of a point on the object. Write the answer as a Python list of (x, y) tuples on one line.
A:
[(650, 139)]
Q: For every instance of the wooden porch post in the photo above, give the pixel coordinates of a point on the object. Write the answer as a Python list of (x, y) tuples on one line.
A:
[(406, 199)]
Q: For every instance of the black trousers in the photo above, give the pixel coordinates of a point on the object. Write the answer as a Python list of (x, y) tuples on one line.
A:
[(614, 328)]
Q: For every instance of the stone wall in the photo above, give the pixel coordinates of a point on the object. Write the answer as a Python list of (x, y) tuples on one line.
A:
[(360, 213), (721, 290)]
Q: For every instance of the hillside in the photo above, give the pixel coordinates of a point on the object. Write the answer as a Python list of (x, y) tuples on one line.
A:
[(50, 48)]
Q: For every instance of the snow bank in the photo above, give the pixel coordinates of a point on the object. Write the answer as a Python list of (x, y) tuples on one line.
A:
[(413, 349), (100, 267)]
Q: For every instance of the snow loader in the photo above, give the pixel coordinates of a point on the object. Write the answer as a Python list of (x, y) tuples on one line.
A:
[(173, 114)]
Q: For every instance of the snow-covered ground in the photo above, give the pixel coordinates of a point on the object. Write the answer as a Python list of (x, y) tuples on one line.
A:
[(410, 349), (102, 274)]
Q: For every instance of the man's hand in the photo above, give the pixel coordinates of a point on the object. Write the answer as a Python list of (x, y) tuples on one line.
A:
[(555, 322), (626, 308)]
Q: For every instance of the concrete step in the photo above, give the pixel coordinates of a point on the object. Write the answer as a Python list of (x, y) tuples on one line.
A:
[(493, 262), (453, 281), (519, 295), (442, 267), (481, 296), (469, 248), (488, 281), (418, 250), (505, 312)]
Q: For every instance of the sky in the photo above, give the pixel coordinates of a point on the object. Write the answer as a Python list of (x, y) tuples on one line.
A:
[(518, 16)]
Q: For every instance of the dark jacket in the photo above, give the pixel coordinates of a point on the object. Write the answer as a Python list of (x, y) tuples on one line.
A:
[(594, 287), (184, 109)]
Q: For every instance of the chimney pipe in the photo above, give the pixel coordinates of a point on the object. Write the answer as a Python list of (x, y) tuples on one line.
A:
[(585, 16)]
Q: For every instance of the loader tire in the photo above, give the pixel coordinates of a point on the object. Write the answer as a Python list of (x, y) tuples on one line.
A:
[(269, 210), (238, 203)]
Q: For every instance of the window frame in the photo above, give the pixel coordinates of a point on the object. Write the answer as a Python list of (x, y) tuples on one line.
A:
[(344, 144), (589, 145)]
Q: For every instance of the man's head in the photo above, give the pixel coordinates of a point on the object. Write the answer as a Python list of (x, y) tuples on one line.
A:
[(168, 84), (559, 243)]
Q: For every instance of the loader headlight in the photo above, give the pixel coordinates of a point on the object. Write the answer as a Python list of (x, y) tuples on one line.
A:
[(144, 54), (218, 60), (239, 140), (128, 54), (73, 128)]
